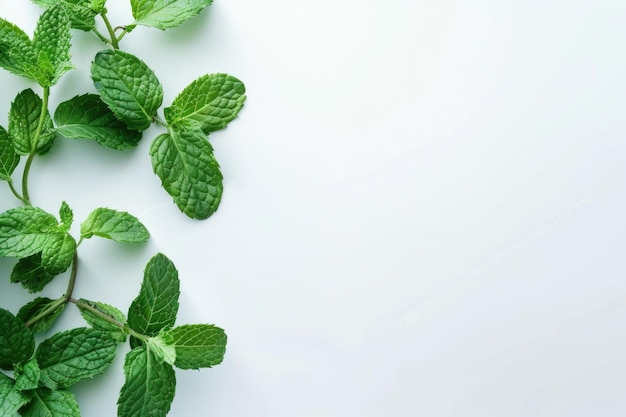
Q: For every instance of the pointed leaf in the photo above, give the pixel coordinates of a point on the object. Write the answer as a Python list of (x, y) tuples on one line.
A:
[(34, 308), (164, 14), (16, 340), (27, 375), (11, 399), (188, 170), (116, 225), (15, 48), (66, 215), (51, 42), (196, 345), (49, 403), (94, 316), (80, 12), (8, 158), (23, 125), (31, 274)]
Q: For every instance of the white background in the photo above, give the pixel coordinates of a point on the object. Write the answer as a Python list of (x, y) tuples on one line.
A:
[(423, 211)]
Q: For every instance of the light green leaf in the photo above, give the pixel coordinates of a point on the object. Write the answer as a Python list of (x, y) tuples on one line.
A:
[(36, 307), (188, 170), (31, 274), (164, 14), (23, 122), (25, 231), (149, 385), (16, 340), (196, 345), (88, 117), (161, 350), (93, 316), (58, 253), (73, 355), (156, 306), (80, 12), (211, 101), (27, 375), (51, 43), (11, 399), (15, 49), (51, 403), (128, 86), (8, 158), (66, 215), (116, 225)]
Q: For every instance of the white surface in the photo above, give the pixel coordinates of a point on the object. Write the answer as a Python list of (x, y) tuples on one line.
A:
[(423, 211)]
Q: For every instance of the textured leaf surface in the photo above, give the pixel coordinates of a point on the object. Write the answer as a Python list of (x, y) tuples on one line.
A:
[(73, 355), (31, 274), (25, 231), (164, 14), (23, 122), (37, 306), (58, 253), (211, 101), (16, 340), (80, 12), (27, 375), (149, 386), (88, 117), (188, 170), (9, 159), (156, 306), (196, 345), (127, 86), (96, 320), (116, 225), (15, 49), (11, 399), (49, 403), (51, 42)]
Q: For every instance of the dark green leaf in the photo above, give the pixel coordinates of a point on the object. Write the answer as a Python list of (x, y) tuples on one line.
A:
[(27, 375), (116, 225), (8, 158), (23, 125), (34, 308), (93, 314), (164, 14), (196, 345), (50, 403), (16, 340), (11, 399), (31, 274)]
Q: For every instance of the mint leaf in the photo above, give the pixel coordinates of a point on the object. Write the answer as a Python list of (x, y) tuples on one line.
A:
[(93, 315), (211, 101), (8, 158), (66, 215), (164, 14), (80, 12), (161, 350), (88, 117), (51, 42), (31, 274), (15, 49), (196, 345), (128, 86), (25, 231), (156, 306), (149, 386), (27, 375), (49, 403), (36, 307), (16, 340), (116, 225), (23, 125), (11, 399), (73, 355), (58, 253), (188, 170)]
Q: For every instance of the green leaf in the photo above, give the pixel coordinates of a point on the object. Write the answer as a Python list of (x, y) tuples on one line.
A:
[(15, 49), (73, 355), (51, 403), (119, 226), (27, 375), (196, 345), (31, 274), (93, 315), (38, 306), (25, 231), (156, 306), (66, 215), (16, 340), (88, 117), (211, 101), (58, 253), (11, 399), (164, 14), (23, 125), (188, 170), (128, 86), (8, 158), (51, 42), (80, 12), (149, 385), (161, 350)]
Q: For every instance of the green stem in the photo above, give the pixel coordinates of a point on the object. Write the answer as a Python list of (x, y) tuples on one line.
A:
[(114, 40), (85, 305), (34, 145), (15, 193), (101, 36)]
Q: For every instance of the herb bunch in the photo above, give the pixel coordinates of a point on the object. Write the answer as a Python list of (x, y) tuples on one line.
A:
[(129, 96)]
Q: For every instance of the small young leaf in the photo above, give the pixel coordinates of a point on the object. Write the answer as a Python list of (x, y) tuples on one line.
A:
[(88, 117), (36, 307), (156, 306), (51, 42), (164, 14), (31, 274), (80, 12), (188, 170), (8, 158), (149, 385), (161, 350), (96, 320), (15, 49), (16, 340), (73, 355), (211, 101), (51, 403), (128, 86), (196, 345), (11, 399), (66, 215), (119, 226), (23, 125), (27, 375)]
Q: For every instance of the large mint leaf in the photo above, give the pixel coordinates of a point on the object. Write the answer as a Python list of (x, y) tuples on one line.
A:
[(98, 315), (27, 375), (149, 385), (88, 117), (25, 231), (127, 86), (73, 355), (116, 225), (196, 345), (31, 274), (11, 399), (164, 14), (51, 403), (211, 101), (24, 125), (188, 170), (16, 340), (156, 306), (51, 43), (15, 49), (80, 12), (30, 311), (8, 158)]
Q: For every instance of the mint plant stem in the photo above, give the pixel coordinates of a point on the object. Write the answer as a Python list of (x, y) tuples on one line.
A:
[(33, 151), (107, 23)]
